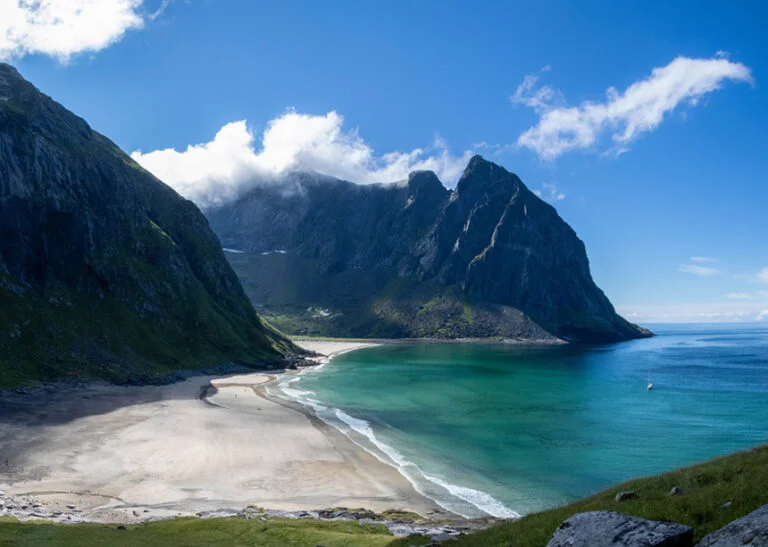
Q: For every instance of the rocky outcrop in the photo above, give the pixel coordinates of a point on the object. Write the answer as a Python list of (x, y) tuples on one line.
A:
[(104, 270), (608, 528), (751, 530), (414, 259)]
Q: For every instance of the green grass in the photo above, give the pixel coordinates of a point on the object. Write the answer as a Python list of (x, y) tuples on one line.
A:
[(377, 304), (190, 532), (67, 336), (741, 478), (302, 337)]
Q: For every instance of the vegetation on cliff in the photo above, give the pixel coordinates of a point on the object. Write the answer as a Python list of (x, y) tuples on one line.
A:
[(106, 272)]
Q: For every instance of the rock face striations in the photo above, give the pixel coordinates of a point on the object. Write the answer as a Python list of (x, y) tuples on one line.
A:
[(608, 528), (104, 270), (488, 259)]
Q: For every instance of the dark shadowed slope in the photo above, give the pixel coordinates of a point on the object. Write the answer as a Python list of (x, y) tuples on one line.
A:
[(104, 270), (488, 259)]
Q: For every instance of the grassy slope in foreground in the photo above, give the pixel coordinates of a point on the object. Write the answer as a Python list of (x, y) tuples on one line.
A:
[(189, 532), (740, 478)]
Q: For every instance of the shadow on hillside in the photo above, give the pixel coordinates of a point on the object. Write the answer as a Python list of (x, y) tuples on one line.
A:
[(58, 404)]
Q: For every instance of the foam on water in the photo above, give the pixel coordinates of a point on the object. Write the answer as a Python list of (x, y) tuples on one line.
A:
[(461, 500), (480, 500)]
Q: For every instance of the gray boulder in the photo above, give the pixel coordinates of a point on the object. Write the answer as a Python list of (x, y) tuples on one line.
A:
[(604, 528), (750, 530), (624, 496)]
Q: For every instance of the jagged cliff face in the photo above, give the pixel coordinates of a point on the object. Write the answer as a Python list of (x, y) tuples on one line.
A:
[(487, 259), (104, 270)]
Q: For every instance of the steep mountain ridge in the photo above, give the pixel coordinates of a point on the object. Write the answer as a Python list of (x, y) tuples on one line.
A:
[(104, 270), (414, 259)]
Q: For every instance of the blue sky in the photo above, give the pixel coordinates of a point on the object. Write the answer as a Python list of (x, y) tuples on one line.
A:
[(655, 174)]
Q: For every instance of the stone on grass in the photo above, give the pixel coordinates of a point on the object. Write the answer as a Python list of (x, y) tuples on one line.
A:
[(608, 528), (624, 496), (751, 530)]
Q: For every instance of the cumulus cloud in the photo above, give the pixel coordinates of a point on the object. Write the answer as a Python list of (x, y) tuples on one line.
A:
[(549, 192), (63, 28), (696, 269), (624, 116), (214, 172)]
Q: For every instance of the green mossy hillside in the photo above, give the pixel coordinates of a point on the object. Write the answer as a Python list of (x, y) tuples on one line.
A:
[(714, 493), (106, 272)]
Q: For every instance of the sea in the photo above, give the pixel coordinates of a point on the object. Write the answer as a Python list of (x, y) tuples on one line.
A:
[(505, 430)]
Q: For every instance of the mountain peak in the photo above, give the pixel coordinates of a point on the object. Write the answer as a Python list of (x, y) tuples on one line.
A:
[(487, 259), (482, 177), (476, 161), (419, 181)]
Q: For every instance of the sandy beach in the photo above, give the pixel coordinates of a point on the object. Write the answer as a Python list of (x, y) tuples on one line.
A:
[(125, 454)]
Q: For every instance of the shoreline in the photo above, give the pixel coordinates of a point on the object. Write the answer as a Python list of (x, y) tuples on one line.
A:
[(207, 444), (466, 503), (298, 340)]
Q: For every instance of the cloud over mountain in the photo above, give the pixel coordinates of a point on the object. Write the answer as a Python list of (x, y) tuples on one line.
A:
[(215, 171)]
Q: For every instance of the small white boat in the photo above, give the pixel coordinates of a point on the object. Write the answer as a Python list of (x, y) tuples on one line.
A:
[(650, 386)]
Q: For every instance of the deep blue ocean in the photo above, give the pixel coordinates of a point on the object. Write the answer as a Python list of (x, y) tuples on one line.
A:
[(504, 430)]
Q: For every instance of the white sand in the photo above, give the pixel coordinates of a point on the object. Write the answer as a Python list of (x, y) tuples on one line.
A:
[(332, 348), (130, 453)]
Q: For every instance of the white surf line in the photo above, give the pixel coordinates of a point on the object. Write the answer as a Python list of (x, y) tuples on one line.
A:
[(482, 501)]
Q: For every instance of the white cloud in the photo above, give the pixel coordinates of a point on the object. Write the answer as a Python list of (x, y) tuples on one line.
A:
[(729, 312), (63, 28), (696, 269), (541, 99), (214, 172), (762, 315), (641, 107), (703, 259), (159, 11), (762, 275), (549, 192), (739, 296)]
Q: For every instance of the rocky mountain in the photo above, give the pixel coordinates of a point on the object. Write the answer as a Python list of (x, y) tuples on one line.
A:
[(319, 255), (104, 270)]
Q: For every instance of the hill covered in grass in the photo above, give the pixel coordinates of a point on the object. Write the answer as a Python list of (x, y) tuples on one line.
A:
[(713, 494)]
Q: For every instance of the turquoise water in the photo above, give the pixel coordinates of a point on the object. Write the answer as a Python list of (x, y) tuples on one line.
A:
[(509, 429)]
